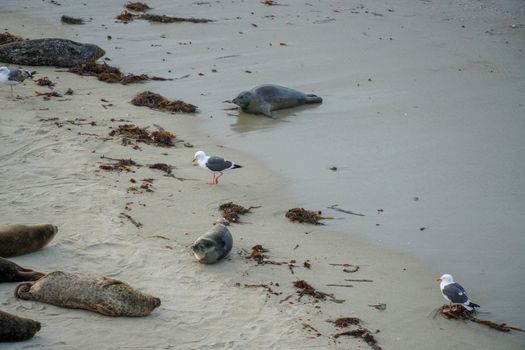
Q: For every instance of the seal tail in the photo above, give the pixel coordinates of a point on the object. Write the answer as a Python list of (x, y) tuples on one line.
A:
[(310, 98), (22, 291)]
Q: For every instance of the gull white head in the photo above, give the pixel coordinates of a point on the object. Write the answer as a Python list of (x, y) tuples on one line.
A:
[(445, 279), (199, 156)]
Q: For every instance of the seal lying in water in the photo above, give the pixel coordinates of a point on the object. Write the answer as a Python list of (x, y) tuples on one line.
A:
[(213, 245), (49, 52), (267, 98), (15, 328), (94, 293), (23, 239), (11, 272)]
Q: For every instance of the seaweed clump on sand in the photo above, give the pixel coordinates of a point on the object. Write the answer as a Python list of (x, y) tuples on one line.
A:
[(458, 312), (120, 165), (71, 20), (344, 322), (131, 132), (305, 216), (257, 254), (303, 288), (156, 101), (6, 38), (137, 6), (126, 16), (106, 73), (364, 334), (45, 82), (232, 211), (170, 19), (162, 167)]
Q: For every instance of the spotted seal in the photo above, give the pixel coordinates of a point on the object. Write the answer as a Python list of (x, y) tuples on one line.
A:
[(11, 272), (16, 328), (104, 295), (267, 98), (213, 245), (49, 52), (23, 239)]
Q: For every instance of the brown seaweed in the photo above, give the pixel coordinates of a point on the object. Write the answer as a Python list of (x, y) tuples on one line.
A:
[(162, 166), (458, 312), (170, 19), (45, 82), (344, 322), (137, 6), (232, 211), (71, 20), (303, 288), (132, 132), (362, 333), (126, 16), (304, 216), (156, 101), (108, 74), (6, 38), (120, 165)]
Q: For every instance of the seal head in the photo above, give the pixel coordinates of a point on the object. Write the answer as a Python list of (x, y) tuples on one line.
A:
[(243, 99)]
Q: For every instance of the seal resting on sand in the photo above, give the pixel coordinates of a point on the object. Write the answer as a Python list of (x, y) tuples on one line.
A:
[(94, 293), (49, 52), (11, 272), (213, 245), (267, 98), (15, 328), (23, 239)]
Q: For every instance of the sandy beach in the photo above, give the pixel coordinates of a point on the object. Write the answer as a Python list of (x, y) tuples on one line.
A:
[(50, 151)]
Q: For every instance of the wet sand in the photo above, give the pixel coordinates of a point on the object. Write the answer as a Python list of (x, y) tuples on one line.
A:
[(51, 174)]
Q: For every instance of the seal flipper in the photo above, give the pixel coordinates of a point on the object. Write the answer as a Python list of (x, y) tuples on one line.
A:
[(30, 275), (22, 291), (266, 110), (104, 310), (311, 98)]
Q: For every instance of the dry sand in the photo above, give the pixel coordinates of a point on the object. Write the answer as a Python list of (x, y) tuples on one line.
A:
[(50, 174)]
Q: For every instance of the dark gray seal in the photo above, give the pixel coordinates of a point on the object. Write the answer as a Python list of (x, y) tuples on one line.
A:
[(16, 328), (267, 98), (49, 52), (104, 295), (23, 239), (11, 272), (213, 245)]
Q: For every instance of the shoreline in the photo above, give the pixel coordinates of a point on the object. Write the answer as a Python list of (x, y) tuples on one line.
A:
[(193, 217)]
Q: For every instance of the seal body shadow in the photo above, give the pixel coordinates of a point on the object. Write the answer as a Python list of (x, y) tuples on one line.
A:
[(104, 295), (214, 245), (49, 52), (23, 239), (11, 272), (15, 328), (264, 99)]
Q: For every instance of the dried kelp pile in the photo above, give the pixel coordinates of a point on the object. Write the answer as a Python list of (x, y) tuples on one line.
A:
[(131, 132), (344, 322), (71, 20), (305, 216), (156, 101), (258, 255), (109, 74), (162, 167), (170, 19), (6, 38), (231, 211), (303, 288), (458, 312), (362, 333), (137, 6), (118, 164), (45, 82)]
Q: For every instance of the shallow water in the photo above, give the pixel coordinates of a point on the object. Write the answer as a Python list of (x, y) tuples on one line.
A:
[(435, 114)]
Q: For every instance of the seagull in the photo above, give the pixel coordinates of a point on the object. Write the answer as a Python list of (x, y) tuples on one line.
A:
[(454, 292), (213, 163), (13, 76)]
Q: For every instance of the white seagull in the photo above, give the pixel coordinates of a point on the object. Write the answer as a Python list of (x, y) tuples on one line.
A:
[(13, 76), (213, 163), (454, 292)]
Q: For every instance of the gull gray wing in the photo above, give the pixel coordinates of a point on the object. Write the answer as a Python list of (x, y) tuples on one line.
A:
[(455, 293), (218, 164)]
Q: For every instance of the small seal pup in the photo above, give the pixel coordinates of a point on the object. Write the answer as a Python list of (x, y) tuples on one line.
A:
[(49, 52), (11, 272), (23, 239), (264, 99), (104, 295), (16, 328), (213, 245)]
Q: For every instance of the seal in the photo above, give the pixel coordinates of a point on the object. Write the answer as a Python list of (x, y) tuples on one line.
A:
[(267, 98), (213, 245), (49, 52), (16, 328), (23, 239), (11, 272), (104, 295)]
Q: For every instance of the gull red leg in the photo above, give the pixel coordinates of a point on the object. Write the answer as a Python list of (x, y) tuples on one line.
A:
[(217, 180)]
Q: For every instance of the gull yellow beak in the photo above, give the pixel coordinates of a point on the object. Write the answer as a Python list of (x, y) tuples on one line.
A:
[(438, 279), (194, 160)]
